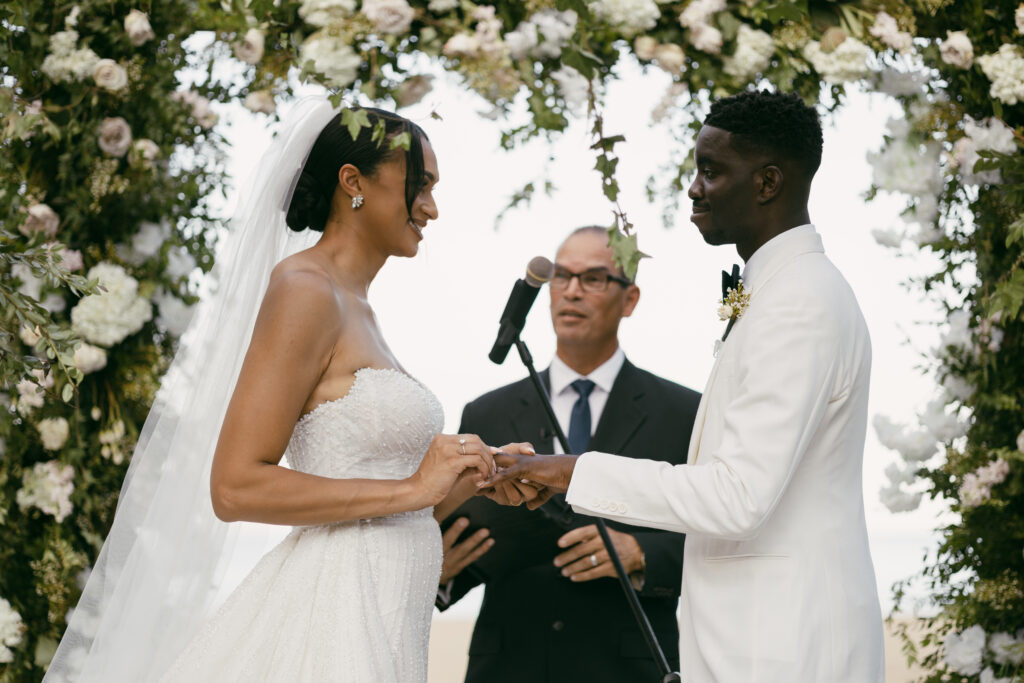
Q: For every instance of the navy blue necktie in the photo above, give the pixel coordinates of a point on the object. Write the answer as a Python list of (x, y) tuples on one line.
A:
[(579, 421)]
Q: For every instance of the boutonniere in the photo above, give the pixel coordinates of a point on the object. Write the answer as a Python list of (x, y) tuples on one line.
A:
[(734, 304)]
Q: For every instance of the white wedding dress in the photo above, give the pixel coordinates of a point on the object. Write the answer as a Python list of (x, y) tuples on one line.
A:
[(350, 601)]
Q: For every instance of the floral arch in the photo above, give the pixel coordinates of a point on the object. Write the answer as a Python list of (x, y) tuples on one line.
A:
[(109, 164)]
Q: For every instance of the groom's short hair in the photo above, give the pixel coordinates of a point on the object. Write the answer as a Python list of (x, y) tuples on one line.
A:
[(777, 124)]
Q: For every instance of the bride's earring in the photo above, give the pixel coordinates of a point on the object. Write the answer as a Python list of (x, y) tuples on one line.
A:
[(357, 201)]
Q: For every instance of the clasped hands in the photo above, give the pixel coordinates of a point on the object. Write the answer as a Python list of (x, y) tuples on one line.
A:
[(522, 476)]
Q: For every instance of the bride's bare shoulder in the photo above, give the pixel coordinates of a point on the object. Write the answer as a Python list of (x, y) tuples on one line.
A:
[(300, 287)]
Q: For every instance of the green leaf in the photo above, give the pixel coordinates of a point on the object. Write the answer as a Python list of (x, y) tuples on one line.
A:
[(1007, 297), (1015, 231), (46, 647), (68, 392), (402, 140), (627, 253), (355, 120)]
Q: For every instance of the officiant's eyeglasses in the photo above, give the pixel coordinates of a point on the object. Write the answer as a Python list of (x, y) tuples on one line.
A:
[(593, 280)]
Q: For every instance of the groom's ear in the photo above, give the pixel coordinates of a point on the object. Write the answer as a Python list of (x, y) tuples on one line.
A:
[(768, 183)]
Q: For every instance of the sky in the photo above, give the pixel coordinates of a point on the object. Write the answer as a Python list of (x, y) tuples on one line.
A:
[(439, 311)]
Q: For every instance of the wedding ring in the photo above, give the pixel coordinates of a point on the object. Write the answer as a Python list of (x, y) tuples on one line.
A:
[(462, 445), (593, 559)]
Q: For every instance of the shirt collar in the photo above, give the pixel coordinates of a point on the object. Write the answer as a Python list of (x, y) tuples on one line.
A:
[(779, 249), (561, 375)]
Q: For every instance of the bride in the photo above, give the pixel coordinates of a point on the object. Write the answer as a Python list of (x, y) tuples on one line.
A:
[(348, 594)]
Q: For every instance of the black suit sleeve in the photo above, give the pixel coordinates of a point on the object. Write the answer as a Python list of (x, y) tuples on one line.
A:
[(663, 557)]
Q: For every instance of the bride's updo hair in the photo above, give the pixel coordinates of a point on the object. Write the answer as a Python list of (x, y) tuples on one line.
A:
[(334, 147)]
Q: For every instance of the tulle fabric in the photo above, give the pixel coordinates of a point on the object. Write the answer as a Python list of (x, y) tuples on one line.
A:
[(166, 555)]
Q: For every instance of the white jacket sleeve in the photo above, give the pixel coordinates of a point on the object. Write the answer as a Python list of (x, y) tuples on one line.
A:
[(783, 371)]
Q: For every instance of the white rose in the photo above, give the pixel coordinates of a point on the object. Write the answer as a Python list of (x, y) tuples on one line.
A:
[(441, 6), (336, 60), (143, 152), (72, 259), (957, 49), (110, 75), (725, 312), (53, 432), (389, 16), (963, 651), (670, 57), (260, 102), (326, 12), (250, 49), (644, 47), (462, 45), (888, 31), (412, 90), (89, 358), (47, 486), (115, 136), (180, 263), (1006, 648), (699, 12), (41, 218), (30, 335), (11, 629), (136, 25), (107, 317), (174, 315)]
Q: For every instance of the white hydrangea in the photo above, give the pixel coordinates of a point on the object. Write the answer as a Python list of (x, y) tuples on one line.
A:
[(89, 358), (957, 50), (522, 40), (906, 166), (147, 241), (848, 62), (332, 57), (65, 62), (53, 432), (914, 445), (389, 16), (958, 335), (573, 87), (924, 211), (957, 387), (32, 392), (30, 286), (180, 263), (989, 134), (699, 12), (902, 83), (944, 426), (442, 6), (754, 50), (1006, 649), (898, 500), (1005, 68), (48, 486), (11, 629), (989, 676), (326, 12), (107, 317), (462, 45), (963, 651), (628, 16), (706, 38), (174, 314), (888, 31), (488, 30), (556, 28)]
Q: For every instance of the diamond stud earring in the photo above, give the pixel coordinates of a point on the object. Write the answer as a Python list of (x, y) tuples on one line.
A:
[(357, 201)]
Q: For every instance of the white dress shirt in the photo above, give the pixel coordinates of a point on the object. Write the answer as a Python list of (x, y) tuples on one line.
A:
[(563, 396)]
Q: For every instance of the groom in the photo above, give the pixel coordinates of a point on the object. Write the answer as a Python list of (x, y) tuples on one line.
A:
[(778, 585)]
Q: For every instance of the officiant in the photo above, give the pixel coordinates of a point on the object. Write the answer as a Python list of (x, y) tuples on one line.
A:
[(576, 624)]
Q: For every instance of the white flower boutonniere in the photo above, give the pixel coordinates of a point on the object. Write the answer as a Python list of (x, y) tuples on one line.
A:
[(734, 304)]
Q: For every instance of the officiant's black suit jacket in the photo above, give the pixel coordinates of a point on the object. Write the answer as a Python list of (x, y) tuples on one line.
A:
[(536, 625)]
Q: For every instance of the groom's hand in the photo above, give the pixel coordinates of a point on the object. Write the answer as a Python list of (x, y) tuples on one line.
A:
[(586, 558), (549, 473)]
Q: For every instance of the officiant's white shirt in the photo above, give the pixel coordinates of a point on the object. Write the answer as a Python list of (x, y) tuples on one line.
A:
[(563, 396), (778, 585)]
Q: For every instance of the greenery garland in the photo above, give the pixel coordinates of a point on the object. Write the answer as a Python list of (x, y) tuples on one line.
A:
[(110, 159)]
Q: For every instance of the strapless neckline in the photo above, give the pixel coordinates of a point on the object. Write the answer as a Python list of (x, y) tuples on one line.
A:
[(358, 374)]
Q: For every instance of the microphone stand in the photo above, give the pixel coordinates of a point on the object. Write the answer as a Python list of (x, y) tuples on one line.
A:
[(667, 675)]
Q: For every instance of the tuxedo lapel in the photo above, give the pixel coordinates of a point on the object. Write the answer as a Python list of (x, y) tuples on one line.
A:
[(623, 413)]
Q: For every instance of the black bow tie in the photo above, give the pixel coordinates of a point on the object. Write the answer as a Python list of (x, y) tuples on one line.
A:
[(730, 281)]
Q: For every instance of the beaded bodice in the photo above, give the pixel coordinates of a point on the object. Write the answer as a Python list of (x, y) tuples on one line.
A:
[(379, 430)]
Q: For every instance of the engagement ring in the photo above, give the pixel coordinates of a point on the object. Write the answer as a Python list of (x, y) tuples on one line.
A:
[(593, 560)]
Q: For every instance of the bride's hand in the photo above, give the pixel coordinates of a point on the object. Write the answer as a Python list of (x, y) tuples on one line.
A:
[(448, 457)]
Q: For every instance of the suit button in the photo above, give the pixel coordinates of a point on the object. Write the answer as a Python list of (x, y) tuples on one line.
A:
[(558, 626)]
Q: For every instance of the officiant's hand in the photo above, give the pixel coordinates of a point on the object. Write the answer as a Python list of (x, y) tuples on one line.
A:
[(586, 558), (458, 556), (549, 473)]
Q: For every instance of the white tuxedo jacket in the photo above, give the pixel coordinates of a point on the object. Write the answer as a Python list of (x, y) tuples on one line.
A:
[(778, 584)]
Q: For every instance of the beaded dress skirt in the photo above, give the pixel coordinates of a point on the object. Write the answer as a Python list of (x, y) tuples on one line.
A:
[(350, 601)]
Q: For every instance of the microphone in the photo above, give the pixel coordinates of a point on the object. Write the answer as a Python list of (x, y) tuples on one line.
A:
[(538, 271)]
